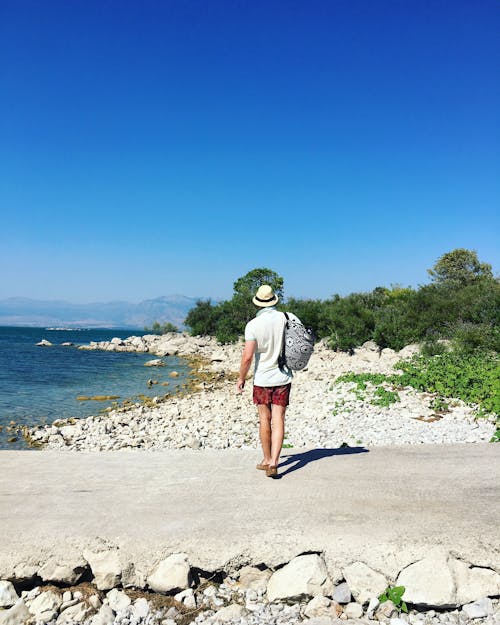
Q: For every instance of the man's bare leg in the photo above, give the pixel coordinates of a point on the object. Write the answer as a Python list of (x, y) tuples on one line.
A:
[(265, 431), (277, 432)]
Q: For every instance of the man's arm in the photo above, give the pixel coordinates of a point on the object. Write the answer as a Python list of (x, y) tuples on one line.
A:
[(246, 363)]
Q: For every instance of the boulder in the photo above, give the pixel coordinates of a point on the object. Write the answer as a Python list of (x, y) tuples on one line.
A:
[(141, 608), (105, 616), (409, 351), (63, 572), (48, 601), (106, 568), (322, 606), (118, 600), (429, 582), (442, 581), (186, 597), (353, 610), (479, 609), (156, 362), (385, 611), (74, 614), (170, 574), (302, 577), (364, 583), (473, 583), (8, 594), (252, 578), (18, 614), (342, 593)]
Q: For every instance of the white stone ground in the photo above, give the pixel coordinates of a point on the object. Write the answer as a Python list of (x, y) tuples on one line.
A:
[(322, 412)]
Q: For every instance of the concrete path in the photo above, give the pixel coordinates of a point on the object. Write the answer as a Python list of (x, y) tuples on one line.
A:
[(386, 506)]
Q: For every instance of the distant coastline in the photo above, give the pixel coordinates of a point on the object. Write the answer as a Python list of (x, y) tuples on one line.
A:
[(30, 313)]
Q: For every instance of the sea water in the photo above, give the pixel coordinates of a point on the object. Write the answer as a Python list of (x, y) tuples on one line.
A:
[(41, 384)]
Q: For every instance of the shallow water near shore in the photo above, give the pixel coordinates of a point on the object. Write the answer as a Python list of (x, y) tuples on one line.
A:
[(41, 384)]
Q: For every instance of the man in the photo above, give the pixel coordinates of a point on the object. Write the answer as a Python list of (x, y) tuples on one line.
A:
[(271, 390)]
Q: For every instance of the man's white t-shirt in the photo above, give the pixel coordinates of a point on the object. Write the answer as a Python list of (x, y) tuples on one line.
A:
[(267, 330)]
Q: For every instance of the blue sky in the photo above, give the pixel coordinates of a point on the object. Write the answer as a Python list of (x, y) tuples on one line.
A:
[(160, 147)]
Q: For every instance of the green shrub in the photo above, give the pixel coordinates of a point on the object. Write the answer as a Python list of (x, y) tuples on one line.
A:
[(474, 378)]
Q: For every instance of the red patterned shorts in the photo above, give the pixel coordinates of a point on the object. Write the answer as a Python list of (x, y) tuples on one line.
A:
[(277, 395)]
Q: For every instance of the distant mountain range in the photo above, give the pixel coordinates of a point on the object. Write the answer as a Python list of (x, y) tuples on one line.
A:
[(21, 311)]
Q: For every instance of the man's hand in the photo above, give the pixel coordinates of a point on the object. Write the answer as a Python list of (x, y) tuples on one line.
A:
[(246, 361)]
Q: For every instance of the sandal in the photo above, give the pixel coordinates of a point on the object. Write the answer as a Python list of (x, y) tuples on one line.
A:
[(262, 467), (272, 471)]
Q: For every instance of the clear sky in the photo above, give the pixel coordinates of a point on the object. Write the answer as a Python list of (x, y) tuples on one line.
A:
[(170, 146)]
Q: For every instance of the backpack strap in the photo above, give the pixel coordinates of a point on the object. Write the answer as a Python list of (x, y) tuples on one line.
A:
[(282, 359)]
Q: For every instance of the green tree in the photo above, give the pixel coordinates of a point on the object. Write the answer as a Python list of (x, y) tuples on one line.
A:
[(459, 267), (201, 319), (247, 285)]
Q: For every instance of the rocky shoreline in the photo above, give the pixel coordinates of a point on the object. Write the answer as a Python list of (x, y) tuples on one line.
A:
[(210, 415), (303, 590)]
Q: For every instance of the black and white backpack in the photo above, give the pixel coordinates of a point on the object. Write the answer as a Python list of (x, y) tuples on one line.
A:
[(298, 345)]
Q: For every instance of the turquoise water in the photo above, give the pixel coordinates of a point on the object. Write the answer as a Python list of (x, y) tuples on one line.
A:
[(41, 384)]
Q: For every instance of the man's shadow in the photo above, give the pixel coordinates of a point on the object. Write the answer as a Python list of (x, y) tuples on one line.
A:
[(299, 461)]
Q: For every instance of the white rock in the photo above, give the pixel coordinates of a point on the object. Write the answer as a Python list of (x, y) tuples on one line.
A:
[(429, 582), (342, 593), (95, 601), (118, 600), (303, 576), (186, 597), (8, 594), (479, 609), (322, 606), (141, 607), (63, 572), (353, 610), (386, 610), (170, 574), (106, 568), (252, 578), (74, 614), (105, 616), (364, 583), (44, 343), (372, 607), (18, 614), (229, 612), (473, 583), (156, 362), (48, 601)]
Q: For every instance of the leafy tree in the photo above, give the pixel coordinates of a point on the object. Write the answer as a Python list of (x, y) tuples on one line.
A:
[(226, 320), (201, 319), (459, 267), (247, 285)]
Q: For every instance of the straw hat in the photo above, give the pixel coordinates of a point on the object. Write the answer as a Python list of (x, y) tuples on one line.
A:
[(265, 297)]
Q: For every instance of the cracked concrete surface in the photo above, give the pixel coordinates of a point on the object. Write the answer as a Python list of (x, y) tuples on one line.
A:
[(385, 506)]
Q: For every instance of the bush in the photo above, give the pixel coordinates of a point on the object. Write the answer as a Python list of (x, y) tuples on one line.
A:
[(470, 377)]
